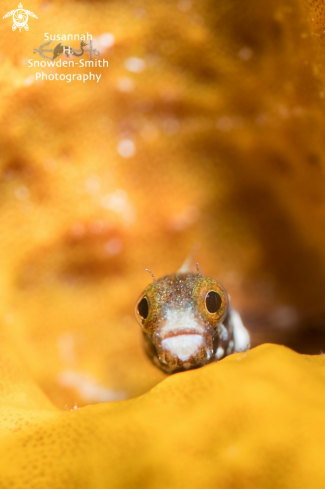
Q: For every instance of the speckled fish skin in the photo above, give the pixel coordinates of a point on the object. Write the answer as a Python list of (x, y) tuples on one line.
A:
[(179, 332)]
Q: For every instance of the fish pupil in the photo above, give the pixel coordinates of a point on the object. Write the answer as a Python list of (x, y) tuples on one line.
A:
[(143, 308), (213, 301)]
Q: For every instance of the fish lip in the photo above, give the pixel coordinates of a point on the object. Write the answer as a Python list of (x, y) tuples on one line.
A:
[(180, 332)]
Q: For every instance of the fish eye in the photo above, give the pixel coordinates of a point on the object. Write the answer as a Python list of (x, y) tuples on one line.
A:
[(213, 301), (143, 308)]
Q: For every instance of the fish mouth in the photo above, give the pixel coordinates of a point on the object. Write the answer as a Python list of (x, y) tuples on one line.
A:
[(184, 349), (179, 332), (183, 343)]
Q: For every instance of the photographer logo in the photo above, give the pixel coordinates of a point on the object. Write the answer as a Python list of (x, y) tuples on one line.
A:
[(20, 18)]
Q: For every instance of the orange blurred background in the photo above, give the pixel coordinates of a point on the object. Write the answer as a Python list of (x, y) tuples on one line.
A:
[(206, 127)]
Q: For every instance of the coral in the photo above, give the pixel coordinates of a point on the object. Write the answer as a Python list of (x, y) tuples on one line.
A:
[(252, 420)]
